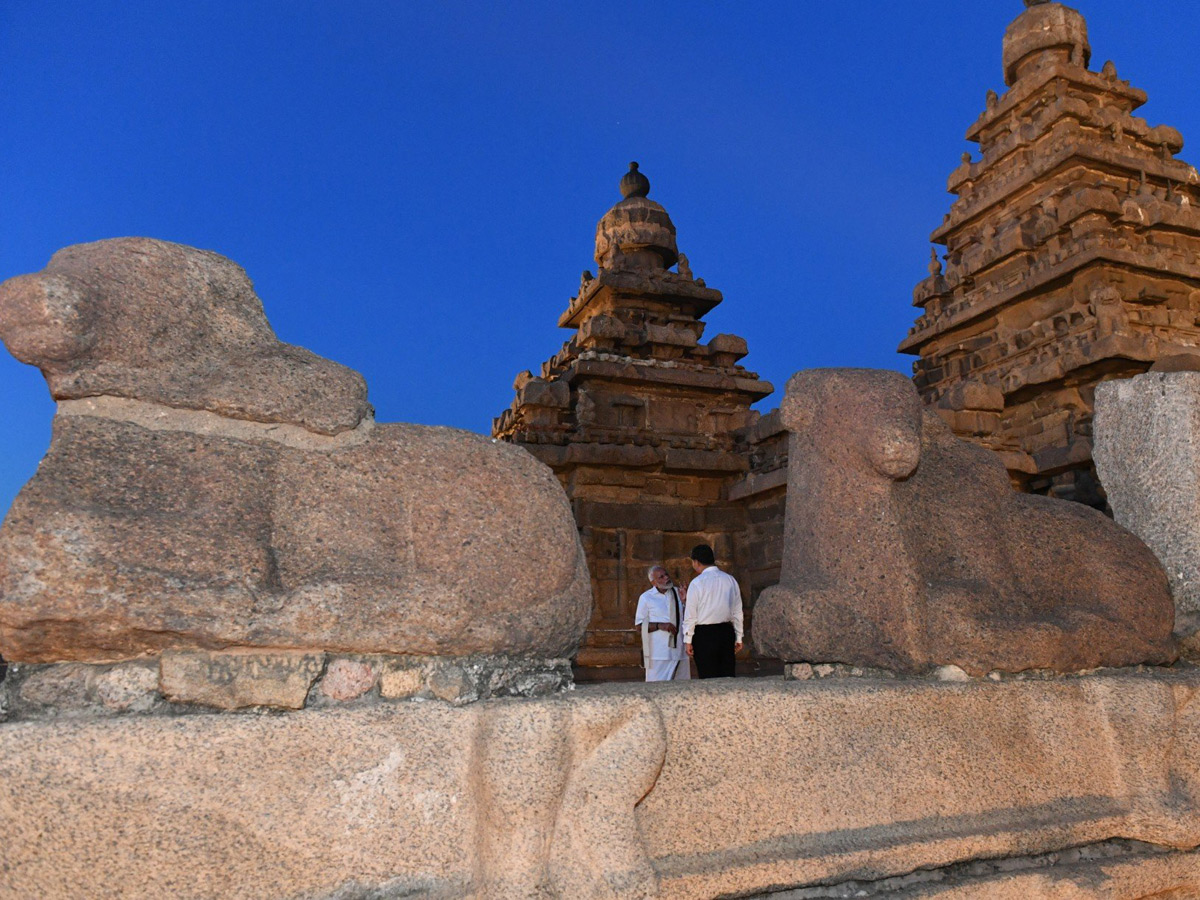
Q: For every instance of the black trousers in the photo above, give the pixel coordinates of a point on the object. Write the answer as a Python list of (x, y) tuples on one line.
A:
[(712, 648)]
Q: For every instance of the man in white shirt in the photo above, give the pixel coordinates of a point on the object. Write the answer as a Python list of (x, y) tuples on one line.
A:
[(660, 615), (712, 625)]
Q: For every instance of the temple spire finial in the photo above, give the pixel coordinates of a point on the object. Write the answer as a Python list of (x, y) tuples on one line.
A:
[(935, 264), (634, 183), (1045, 34)]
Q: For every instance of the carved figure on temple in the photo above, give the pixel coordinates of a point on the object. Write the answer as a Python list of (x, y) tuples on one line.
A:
[(906, 548), (208, 486), (685, 269), (1109, 310), (597, 761)]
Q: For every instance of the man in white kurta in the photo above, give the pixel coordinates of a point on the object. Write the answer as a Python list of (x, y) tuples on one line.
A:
[(660, 618)]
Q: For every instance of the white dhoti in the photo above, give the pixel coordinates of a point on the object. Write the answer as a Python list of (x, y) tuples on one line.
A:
[(668, 669), (663, 656)]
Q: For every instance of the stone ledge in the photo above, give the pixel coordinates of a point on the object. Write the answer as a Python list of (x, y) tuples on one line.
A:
[(804, 785), (755, 483), (181, 682)]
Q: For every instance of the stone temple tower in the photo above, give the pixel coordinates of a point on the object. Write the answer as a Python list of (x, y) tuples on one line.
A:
[(1072, 256), (643, 424)]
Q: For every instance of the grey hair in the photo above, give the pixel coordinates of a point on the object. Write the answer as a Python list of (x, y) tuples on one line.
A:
[(650, 572)]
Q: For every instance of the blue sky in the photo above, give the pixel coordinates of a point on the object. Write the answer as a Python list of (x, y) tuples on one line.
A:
[(414, 187)]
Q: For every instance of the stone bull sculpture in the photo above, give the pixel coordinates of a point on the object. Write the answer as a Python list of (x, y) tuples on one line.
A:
[(906, 548), (208, 486)]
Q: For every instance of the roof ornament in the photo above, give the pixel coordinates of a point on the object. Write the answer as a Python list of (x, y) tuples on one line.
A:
[(634, 183), (935, 264)]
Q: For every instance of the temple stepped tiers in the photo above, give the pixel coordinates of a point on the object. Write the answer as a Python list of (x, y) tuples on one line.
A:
[(643, 422), (1072, 257)]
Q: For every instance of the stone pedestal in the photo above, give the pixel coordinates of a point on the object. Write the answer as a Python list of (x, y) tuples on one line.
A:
[(1083, 787), (1147, 454)]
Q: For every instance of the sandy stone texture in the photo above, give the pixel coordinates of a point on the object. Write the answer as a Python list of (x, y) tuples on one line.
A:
[(500, 800), (681, 791), (150, 527), (79, 690), (1147, 452), (774, 784), (136, 317), (225, 680), (906, 548), (348, 679)]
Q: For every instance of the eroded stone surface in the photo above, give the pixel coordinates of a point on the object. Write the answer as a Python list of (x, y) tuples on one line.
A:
[(1174, 877), (149, 527), (401, 681), (381, 801), (141, 318), (907, 549), (466, 680), (348, 679), (1111, 870), (595, 793), (76, 689), (1147, 451), (186, 682), (234, 680)]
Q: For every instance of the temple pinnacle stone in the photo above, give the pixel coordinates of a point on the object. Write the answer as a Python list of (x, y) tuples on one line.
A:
[(634, 183), (1043, 35)]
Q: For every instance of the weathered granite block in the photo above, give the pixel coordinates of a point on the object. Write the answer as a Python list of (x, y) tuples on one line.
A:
[(906, 548), (174, 325), (1147, 452), (78, 689), (349, 679), (623, 791), (198, 681), (1137, 876), (233, 680), (208, 487)]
